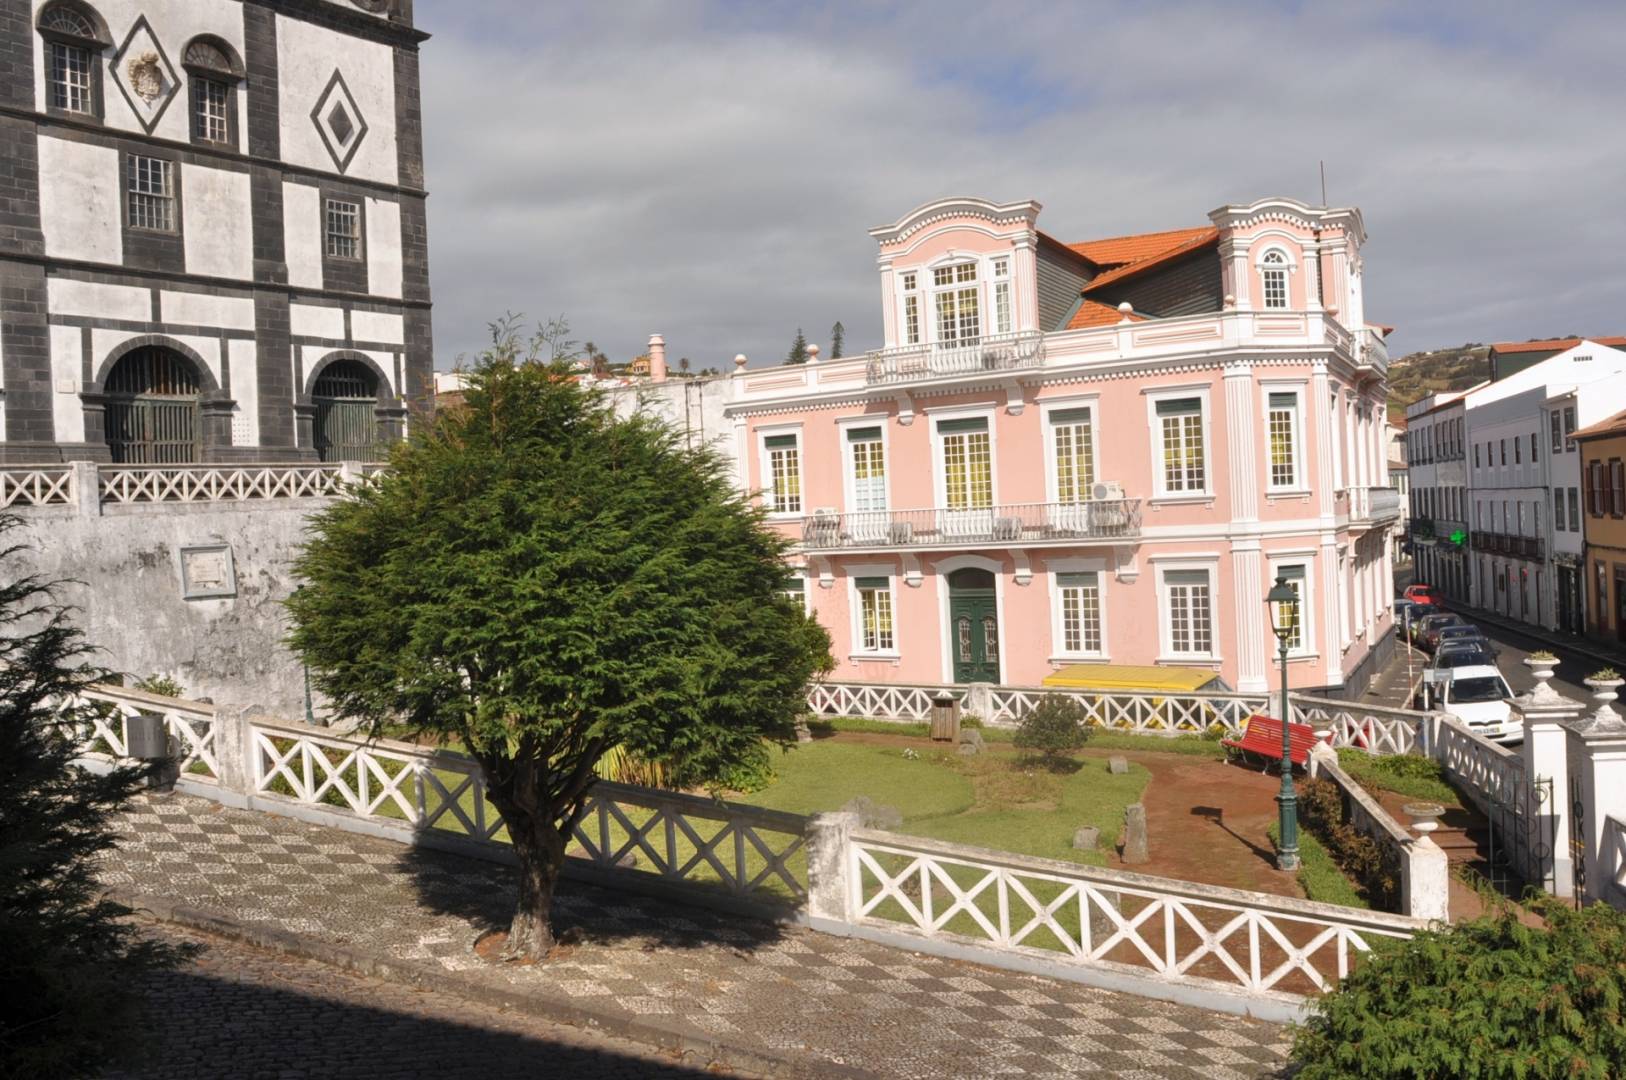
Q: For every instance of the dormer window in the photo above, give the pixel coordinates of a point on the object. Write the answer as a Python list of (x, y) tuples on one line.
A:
[(911, 308), (959, 319), (74, 39), (1274, 273)]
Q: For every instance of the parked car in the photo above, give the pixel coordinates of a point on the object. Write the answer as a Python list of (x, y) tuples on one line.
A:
[(1433, 624), (1423, 594), (1403, 610), (1463, 653), (1464, 633), (1478, 696)]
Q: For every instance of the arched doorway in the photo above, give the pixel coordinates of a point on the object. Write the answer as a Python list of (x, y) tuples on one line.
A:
[(973, 625), (152, 408), (346, 423)]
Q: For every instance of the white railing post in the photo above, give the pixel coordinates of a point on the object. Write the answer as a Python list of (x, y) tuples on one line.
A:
[(87, 488), (350, 473), (234, 751), (830, 890), (1425, 880), (979, 701), (1598, 758), (1545, 713)]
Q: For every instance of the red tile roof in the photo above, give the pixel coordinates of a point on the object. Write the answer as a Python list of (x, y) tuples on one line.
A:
[(1615, 425), (1094, 313), (1119, 250), (1553, 344), (1199, 239)]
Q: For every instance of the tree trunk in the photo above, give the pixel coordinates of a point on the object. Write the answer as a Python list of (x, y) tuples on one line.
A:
[(540, 848)]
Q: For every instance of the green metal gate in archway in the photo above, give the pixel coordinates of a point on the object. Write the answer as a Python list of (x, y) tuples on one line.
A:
[(151, 415), (346, 423)]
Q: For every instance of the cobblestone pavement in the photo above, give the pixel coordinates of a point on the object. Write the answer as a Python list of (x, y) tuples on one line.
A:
[(246, 1013), (783, 992)]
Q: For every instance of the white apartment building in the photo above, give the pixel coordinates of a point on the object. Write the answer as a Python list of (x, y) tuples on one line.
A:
[(1436, 450)]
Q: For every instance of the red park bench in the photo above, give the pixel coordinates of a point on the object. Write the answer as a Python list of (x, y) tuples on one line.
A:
[(1263, 737)]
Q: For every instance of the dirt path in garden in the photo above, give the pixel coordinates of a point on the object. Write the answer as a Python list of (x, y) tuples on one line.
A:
[(1206, 820)]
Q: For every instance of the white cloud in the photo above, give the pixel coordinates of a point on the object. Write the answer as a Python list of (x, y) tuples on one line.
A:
[(710, 171)]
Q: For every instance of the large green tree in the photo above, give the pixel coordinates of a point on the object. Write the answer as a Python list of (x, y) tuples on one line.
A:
[(67, 954), (541, 581), (798, 349)]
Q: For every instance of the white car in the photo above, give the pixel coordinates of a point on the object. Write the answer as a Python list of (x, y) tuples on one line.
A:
[(1478, 696)]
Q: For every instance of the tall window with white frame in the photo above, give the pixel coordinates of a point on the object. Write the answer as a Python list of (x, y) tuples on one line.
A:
[(210, 120), (1002, 296), (1180, 430), (866, 457), (1078, 599), (1190, 617), (1072, 437), (73, 47), (70, 77), (343, 229), (911, 308), (968, 478), (875, 631), (1293, 574), (959, 320), (1282, 421), (1274, 274), (151, 193), (784, 461)]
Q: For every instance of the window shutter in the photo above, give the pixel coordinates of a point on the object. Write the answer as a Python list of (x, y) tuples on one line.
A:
[(1186, 577), (1180, 407), (1284, 401), (873, 583), (1079, 580), (955, 427), (780, 442), (866, 434), (1070, 416)]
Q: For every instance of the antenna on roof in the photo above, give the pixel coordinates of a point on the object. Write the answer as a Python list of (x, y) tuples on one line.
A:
[(1323, 183)]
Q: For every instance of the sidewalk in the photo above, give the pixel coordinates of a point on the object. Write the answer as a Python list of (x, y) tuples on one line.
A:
[(746, 994)]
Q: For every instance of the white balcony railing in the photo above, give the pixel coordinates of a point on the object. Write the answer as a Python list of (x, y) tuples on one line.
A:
[(994, 352), (1373, 350), (1374, 505), (1017, 523)]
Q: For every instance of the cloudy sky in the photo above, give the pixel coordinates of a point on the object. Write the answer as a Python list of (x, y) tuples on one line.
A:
[(709, 170)]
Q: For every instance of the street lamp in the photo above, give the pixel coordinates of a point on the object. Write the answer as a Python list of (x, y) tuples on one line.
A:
[(310, 715), (1283, 602)]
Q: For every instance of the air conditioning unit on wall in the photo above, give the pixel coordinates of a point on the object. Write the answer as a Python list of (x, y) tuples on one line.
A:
[(1106, 489)]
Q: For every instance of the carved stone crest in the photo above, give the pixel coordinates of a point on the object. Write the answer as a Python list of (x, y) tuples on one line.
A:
[(146, 75)]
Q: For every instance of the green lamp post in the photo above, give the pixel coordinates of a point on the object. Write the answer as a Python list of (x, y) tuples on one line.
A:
[(1283, 602)]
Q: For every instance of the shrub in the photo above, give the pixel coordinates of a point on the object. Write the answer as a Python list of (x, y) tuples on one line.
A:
[(1404, 774), (1374, 866), (1487, 998), (1054, 728), (162, 685), (970, 720)]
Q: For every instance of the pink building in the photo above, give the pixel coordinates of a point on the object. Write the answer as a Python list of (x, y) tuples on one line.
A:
[(1091, 452)]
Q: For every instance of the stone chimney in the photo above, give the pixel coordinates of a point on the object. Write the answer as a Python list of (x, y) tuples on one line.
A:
[(657, 358)]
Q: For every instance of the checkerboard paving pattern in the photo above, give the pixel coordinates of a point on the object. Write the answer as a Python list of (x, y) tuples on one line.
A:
[(813, 997)]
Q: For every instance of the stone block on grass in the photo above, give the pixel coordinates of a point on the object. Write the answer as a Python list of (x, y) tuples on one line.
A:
[(1135, 848), (1117, 765), (1086, 838)]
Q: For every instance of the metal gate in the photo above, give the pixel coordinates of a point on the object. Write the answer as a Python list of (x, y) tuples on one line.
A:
[(1522, 824), (152, 408), (1577, 841), (346, 426)]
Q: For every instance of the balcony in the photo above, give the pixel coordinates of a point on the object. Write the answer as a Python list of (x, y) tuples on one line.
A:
[(1520, 547), (1104, 520), (1372, 352), (991, 354), (1373, 506)]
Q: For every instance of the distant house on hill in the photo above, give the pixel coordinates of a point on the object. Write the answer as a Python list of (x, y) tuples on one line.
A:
[(1510, 357)]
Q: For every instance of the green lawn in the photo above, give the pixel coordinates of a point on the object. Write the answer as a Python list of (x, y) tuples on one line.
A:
[(1405, 774), (990, 800)]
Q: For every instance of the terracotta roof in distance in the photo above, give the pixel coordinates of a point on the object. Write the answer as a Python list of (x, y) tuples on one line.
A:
[(1118, 250), (1094, 313), (1615, 425), (1553, 344)]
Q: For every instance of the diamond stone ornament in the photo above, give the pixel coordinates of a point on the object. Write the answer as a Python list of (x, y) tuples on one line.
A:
[(144, 75), (339, 122)]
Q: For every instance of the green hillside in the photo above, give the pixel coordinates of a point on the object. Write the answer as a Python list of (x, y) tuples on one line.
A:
[(1419, 374)]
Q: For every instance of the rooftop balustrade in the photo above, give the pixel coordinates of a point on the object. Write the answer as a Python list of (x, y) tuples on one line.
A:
[(1016, 523), (993, 353)]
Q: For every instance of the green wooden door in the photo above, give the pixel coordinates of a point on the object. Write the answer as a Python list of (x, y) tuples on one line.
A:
[(973, 626)]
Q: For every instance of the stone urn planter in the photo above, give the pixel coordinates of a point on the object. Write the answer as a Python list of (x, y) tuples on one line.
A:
[(1605, 687), (1425, 816)]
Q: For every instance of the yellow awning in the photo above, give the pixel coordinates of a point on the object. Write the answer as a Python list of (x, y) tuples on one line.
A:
[(1133, 677)]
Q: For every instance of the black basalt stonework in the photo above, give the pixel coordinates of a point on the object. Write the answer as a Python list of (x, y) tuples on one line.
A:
[(156, 260)]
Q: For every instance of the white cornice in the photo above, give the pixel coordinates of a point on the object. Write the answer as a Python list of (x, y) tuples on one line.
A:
[(1003, 215)]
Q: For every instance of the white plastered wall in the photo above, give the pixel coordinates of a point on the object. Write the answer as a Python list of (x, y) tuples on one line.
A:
[(307, 57), (79, 208)]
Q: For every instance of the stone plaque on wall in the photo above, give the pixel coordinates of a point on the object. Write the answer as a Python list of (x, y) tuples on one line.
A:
[(207, 571)]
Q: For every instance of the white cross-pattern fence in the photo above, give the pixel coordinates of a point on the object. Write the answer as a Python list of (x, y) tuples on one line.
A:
[(1614, 858), (103, 736), (1148, 931), (1373, 728), (1245, 952), (1489, 774), (125, 484), (47, 486)]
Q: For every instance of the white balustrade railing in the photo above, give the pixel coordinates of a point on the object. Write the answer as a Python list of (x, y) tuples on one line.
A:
[(123, 484), (749, 852), (1491, 775), (191, 726), (990, 353), (46, 486), (1373, 728), (1614, 858), (1172, 932)]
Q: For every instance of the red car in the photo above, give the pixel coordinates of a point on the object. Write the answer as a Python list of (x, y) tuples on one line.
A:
[(1424, 594)]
